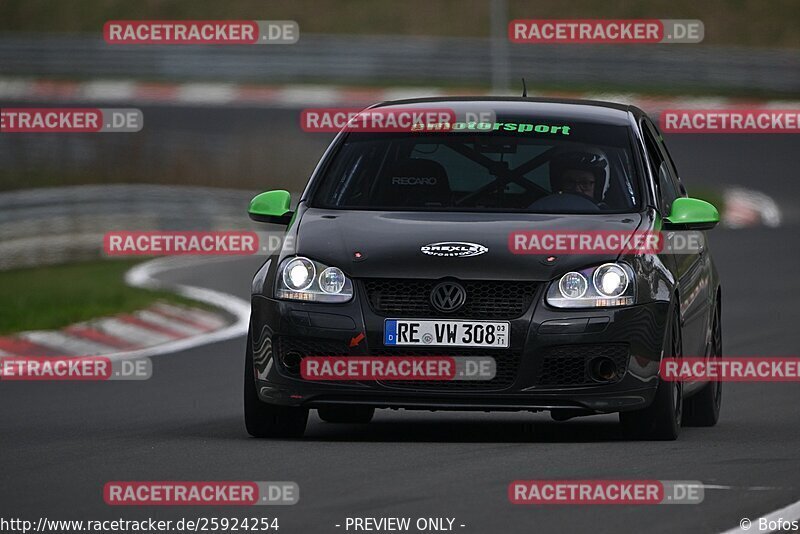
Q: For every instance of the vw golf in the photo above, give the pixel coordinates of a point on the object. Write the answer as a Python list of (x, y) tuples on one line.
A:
[(402, 243)]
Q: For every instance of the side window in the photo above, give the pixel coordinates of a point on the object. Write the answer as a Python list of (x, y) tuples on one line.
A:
[(670, 162), (667, 190)]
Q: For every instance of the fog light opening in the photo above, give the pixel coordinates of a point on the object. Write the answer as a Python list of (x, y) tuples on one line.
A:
[(603, 369), (291, 362)]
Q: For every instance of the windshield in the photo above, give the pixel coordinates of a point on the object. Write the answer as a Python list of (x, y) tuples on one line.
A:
[(579, 168)]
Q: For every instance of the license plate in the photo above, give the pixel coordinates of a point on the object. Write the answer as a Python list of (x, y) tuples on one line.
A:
[(446, 333)]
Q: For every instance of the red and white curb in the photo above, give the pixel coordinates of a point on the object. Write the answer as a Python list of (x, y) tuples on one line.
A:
[(160, 329), (294, 95)]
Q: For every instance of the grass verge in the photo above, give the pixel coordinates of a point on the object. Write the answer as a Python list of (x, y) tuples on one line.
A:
[(56, 296)]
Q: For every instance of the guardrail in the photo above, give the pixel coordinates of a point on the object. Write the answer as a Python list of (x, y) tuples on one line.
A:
[(57, 225), (408, 60)]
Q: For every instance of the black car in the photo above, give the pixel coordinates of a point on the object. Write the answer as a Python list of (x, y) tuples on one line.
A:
[(411, 228)]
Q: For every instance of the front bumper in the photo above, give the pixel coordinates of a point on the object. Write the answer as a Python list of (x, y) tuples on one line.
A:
[(542, 370)]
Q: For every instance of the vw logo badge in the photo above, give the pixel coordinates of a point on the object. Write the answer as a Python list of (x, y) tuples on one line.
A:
[(448, 297)]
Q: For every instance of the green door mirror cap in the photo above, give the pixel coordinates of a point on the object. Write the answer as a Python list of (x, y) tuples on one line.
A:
[(271, 207), (692, 214)]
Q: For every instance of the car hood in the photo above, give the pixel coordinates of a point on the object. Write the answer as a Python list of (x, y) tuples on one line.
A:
[(389, 242)]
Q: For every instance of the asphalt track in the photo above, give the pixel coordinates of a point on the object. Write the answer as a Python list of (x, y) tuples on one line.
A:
[(61, 442)]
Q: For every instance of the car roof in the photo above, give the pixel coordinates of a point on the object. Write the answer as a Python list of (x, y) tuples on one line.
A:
[(564, 108)]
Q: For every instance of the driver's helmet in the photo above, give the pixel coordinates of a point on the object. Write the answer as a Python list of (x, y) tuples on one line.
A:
[(580, 171)]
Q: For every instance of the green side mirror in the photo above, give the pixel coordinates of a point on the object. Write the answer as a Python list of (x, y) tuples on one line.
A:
[(691, 214), (271, 207)]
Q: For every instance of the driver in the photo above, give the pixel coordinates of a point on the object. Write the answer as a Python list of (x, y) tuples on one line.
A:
[(577, 173)]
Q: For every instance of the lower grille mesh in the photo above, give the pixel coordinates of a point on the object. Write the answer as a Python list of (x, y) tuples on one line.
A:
[(568, 365)]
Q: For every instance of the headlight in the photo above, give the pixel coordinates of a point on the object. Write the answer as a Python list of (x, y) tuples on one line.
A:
[(610, 280), (299, 274), (573, 285), (612, 285), (332, 280), (300, 278)]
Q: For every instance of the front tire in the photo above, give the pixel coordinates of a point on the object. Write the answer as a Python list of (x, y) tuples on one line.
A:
[(662, 419), (702, 408), (264, 420)]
